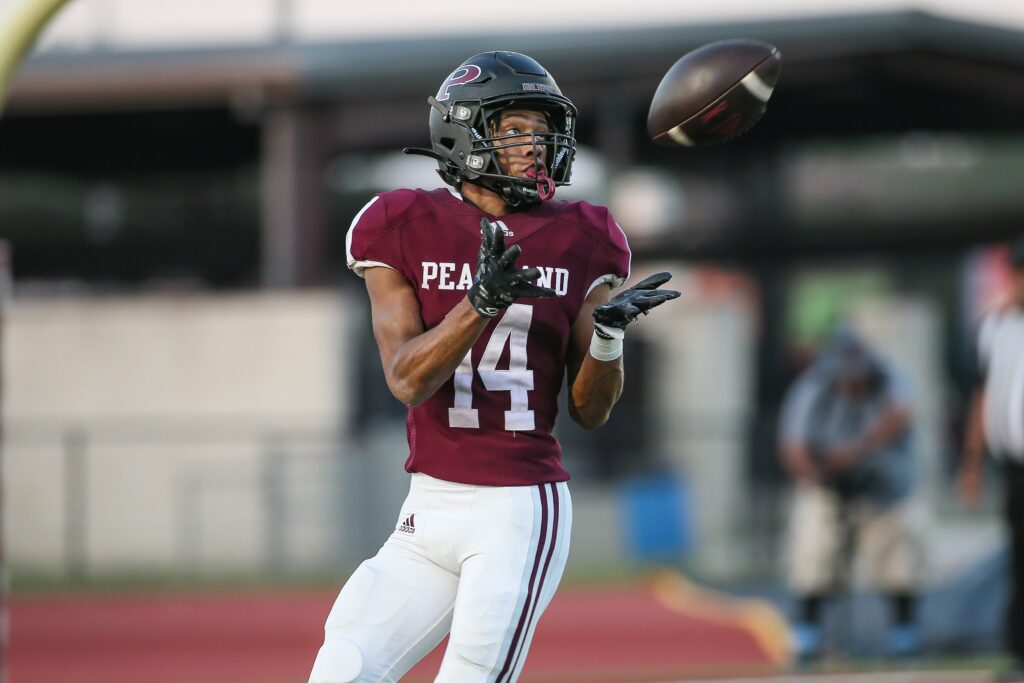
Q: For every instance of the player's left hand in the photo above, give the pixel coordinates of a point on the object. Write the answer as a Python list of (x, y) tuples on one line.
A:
[(624, 307)]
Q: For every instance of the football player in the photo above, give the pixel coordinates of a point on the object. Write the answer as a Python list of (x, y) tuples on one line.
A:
[(484, 295)]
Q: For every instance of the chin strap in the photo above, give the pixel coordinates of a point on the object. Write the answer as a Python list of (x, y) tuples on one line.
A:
[(514, 199)]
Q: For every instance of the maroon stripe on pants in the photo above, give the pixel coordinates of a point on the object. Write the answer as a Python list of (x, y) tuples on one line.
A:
[(544, 573), (529, 591)]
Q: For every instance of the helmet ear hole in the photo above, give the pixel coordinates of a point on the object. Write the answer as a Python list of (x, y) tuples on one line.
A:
[(448, 143)]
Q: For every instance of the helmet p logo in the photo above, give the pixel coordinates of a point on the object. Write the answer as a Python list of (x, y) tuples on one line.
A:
[(464, 74)]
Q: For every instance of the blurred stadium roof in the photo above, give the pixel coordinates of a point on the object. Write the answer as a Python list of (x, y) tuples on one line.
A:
[(842, 74), (844, 77)]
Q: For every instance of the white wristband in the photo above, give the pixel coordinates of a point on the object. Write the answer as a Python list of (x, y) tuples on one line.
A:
[(607, 349)]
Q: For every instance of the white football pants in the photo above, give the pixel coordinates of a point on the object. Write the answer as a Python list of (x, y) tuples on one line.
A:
[(480, 562)]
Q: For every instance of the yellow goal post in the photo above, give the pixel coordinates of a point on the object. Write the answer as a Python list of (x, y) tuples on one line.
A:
[(19, 30)]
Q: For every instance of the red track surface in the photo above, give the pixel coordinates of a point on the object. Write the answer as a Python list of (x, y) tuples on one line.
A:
[(599, 634)]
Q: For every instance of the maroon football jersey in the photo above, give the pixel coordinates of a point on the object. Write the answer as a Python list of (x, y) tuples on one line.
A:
[(490, 424)]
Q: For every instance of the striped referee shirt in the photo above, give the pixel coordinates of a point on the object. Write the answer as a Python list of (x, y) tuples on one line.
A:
[(1001, 353)]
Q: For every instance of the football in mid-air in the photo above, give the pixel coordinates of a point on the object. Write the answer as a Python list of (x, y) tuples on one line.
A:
[(714, 93)]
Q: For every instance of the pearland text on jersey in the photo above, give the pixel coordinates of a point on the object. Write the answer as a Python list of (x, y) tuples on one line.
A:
[(443, 276)]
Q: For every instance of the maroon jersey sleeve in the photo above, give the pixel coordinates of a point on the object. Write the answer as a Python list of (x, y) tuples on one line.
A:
[(611, 258), (371, 241)]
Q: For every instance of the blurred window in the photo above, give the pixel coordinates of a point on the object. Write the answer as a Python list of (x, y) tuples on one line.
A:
[(918, 178)]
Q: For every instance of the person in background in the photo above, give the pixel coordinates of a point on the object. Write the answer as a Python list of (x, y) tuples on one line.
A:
[(996, 424), (845, 440)]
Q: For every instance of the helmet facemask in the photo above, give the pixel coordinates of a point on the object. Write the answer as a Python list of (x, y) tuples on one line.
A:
[(472, 152), (552, 155)]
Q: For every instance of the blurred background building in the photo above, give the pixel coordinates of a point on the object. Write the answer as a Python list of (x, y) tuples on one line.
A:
[(192, 388)]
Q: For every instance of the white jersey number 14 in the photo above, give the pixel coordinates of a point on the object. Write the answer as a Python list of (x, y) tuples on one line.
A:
[(518, 380)]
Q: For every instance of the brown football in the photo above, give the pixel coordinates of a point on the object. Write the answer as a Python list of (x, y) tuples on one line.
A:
[(714, 93)]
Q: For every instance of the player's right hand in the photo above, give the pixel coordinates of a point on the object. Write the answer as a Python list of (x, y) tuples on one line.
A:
[(498, 282)]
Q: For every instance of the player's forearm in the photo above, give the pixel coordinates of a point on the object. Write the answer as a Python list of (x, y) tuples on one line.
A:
[(422, 364), (596, 390)]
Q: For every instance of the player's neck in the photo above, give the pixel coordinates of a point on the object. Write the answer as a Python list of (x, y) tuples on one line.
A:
[(484, 199)]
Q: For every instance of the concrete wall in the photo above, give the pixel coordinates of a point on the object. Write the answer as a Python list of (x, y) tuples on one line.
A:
[(140, 430), (243, 355), (206, 434), (705, 352)]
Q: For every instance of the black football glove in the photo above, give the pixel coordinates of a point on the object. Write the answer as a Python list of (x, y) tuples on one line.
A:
[(498, 282), (624, 307)]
